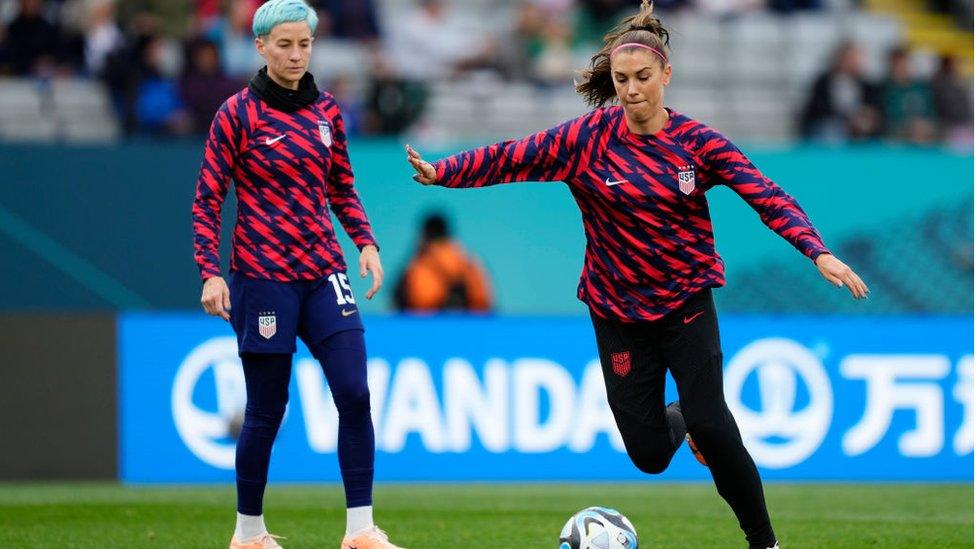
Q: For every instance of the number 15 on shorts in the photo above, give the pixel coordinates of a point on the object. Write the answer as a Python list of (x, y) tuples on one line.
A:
[(340, 283)]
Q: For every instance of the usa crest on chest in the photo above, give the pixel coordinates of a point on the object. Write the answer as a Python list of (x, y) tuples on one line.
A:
[(686, 178)]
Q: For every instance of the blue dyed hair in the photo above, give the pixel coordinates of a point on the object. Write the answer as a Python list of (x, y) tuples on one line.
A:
[(275, 12)]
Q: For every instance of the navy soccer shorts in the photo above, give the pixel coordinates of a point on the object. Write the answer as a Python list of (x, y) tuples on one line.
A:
[(267, 314)]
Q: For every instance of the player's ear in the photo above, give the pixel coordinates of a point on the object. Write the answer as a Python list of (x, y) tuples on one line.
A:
[(667, 74), (259, 44)]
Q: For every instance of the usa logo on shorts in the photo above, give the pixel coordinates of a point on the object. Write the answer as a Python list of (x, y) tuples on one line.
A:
[(621, 363), (325, 133), (686, 179), (267, 325)]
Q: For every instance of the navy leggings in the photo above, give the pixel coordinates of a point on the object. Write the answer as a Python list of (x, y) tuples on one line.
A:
[(343, 359), (635, 357)]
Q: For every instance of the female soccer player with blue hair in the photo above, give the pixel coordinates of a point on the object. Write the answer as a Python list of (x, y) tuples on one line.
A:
[(283, 143), (639, 172)]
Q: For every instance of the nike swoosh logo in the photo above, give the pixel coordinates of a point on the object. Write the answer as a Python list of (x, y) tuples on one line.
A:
[(268, 141), (348, 313), (612, 183), (690, 319)]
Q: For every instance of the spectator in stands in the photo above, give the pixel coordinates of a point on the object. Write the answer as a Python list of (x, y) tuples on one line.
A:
[(427, 44), (558, 7), (158, 109), (953, 99), (350, 103), (539, 47), (31, 41), (203, 85), (233, 34), (348, 19), (596, 17), (552, 60), (102, 36), (519, 46), (843, 103), (207, 13), (728, 8), (393, 103), (69, 17), (441, 276), (789, 6), (909, 111)]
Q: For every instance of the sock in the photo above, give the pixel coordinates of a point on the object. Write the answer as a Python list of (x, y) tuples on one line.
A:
[(358, 519), (249, 527)]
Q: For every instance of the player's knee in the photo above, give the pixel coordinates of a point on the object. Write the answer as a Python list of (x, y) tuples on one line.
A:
[(707, 418), (265, 418), (649, 460), (353, 401), (715, 432)]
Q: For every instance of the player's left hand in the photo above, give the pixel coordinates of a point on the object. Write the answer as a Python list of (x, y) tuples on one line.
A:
[(839, 274), (369, 261)]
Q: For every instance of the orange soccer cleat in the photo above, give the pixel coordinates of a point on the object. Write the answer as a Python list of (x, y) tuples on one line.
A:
[(265, 541), (370, 538), (694, 451)]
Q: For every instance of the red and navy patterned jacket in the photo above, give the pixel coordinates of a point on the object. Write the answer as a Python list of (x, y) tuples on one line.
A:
[(649, 242), (287, 168)]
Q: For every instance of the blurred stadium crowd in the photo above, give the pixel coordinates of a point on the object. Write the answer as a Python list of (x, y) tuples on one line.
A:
[(766, 70)]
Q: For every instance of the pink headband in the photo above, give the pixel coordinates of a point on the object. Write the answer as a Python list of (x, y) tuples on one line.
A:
[(636, 45)]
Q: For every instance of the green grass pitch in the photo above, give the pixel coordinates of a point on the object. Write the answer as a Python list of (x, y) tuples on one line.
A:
[(503, 516)]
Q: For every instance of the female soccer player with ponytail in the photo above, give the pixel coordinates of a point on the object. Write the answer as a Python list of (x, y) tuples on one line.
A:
[(283, 143), (639, 173)]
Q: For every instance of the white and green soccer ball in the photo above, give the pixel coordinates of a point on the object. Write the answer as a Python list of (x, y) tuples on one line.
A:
[(598, 528)]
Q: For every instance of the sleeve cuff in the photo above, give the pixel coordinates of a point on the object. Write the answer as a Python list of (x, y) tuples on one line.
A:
[(817, 252), (440, 167)]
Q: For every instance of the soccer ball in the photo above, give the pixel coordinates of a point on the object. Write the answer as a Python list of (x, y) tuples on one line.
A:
[(598, 528)]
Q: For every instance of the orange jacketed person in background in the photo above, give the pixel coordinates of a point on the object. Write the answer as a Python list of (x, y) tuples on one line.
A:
[(441, 276)]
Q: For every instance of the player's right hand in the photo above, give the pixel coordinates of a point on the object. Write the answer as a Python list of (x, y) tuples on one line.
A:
[(426, 174), (216, 297), (840, 275)]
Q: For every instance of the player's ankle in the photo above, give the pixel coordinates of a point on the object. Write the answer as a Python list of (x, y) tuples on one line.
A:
[(249, 528), (359, 519)]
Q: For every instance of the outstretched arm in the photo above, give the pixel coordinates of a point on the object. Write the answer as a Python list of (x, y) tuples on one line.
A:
[(551, 155), (777, 209)]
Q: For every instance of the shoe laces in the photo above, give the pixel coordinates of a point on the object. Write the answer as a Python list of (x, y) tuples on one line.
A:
[(273, 537), (372, 531), (376, 530)]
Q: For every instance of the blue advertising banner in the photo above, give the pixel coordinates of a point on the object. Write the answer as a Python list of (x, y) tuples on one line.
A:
[(499, 398)]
